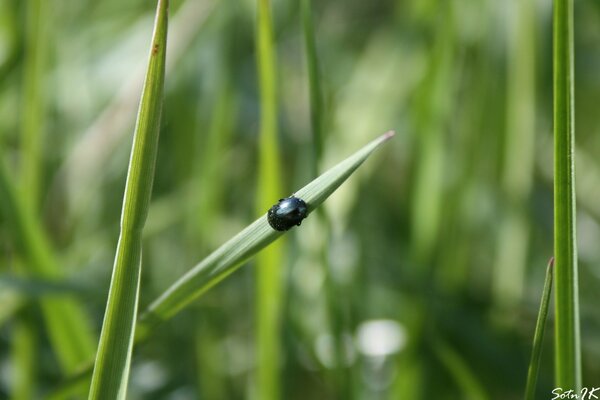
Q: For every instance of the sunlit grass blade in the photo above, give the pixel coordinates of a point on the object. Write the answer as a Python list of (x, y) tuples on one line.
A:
[(538, 336), (111, 370), (314, 81), (33, 99), (567, 338), (24, 358), (66, 322), (227, 258), (432, 110), (335, 317), (269, 262)]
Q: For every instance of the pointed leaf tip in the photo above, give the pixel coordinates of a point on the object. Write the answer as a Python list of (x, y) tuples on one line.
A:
[(388, 135)]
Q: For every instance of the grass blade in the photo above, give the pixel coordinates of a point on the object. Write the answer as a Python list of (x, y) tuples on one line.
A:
[(33, 98), (314, 81), (25, 349), (268, 263), (111, 370), (227, 258), (538, 336), (567, 347), (335, 316)]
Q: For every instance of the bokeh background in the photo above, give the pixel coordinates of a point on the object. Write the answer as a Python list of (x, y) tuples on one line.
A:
[(424, 276)]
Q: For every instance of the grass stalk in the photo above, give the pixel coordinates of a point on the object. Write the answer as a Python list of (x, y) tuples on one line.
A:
[(314, 82), (538, 336), (24, 357), (111, 370), (33, 99), (431, 113), (270, 262), (567, 338), (332, 291)]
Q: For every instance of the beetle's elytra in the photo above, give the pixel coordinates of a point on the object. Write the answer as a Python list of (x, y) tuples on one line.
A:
[(287, 213)]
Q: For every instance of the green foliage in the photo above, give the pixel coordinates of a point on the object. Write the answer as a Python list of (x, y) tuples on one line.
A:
[(418, 278)]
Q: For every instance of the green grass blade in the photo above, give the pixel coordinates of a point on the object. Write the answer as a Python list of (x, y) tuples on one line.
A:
[(24, 357), (314, 81), (227, 258), (567, 346), (433, 105), (269, 262), (335, 316), (32, 121), (111, 370), (538, 336)]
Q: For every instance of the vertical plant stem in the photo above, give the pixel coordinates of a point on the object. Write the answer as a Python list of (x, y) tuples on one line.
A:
[(332, 291), (33, 99), (433, 107), (113, 360), (24, 357), (567, 347), (538, 337), (269, 261), (314, 83)]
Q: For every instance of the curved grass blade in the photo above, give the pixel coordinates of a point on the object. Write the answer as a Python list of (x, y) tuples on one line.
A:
[(111, 370), (227, 258), (567, 338), (538, 336)]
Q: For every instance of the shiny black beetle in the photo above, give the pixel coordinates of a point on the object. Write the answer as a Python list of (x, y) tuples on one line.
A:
[(287, 213)]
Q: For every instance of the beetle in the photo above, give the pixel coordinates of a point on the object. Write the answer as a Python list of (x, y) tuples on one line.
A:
[(287, 213)]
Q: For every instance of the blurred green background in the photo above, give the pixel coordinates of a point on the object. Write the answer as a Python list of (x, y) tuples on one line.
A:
[(421, 280)]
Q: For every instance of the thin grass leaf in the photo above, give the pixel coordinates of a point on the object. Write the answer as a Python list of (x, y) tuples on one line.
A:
[(227, 258), (335, 315), (567, 338), (314, 81), (268, 263), (32, 122), (433, 109), (24, 357), (538, 336), (111, 370)]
